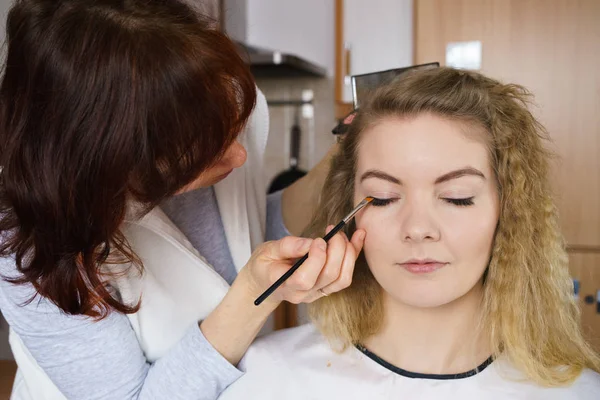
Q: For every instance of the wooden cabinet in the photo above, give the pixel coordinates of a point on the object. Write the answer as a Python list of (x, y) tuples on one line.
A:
[(552, 47), (585, 269)]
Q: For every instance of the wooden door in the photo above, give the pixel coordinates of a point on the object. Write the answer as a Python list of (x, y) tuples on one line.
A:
[(552, 47)]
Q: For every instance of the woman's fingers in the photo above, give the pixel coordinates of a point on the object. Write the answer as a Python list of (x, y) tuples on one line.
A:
[(305, 277), (329, 266), (342, 269), (336, 249), (289, 247), (358, 240), (351, 253)]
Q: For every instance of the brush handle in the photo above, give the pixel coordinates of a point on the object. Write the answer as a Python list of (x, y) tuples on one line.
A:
[(296, 265)]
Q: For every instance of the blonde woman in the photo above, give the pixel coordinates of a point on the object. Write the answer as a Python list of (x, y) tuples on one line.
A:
[(463, 289)]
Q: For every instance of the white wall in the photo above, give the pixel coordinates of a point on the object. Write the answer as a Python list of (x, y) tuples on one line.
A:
[(303, 28), (234, 18), (380, 33), (4, 6), (5, 353)]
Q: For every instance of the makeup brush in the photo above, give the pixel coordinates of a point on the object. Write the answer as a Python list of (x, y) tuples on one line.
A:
[(298, 263)]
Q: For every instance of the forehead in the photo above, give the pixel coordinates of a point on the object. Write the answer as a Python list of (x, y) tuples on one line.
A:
[(427, 143)]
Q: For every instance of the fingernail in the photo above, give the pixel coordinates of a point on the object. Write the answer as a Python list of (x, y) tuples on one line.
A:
[(362, 235), (304, 244), (321, 244), (328, 229)]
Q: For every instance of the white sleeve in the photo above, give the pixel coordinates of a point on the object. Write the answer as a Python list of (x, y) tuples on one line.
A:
[(87, 359)]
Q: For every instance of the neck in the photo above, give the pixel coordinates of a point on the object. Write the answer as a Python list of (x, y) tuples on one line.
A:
[(438, 340)]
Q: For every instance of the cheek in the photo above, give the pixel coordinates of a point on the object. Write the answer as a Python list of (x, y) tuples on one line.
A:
[(369, 221), (378, 238), (471, 234)]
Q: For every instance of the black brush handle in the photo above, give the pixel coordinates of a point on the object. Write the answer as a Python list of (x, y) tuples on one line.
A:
[(296, 265)]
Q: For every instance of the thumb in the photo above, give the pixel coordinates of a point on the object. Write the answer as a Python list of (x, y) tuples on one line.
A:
[(358, 240)]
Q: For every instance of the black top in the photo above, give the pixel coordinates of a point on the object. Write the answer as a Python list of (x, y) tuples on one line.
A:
[(409, 374)]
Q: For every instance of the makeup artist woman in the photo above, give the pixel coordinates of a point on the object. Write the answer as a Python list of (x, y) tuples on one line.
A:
[(131, 144)]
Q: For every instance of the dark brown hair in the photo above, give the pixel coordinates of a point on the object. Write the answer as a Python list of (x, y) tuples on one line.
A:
[(103, 103)]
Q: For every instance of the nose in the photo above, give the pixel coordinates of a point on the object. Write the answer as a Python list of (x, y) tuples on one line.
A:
[(418, 222), (235, 156)]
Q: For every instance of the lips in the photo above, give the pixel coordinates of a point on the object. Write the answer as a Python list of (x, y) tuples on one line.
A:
[(425, 266)]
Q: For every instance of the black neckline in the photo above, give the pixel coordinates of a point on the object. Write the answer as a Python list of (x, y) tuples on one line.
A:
[(418, 375)]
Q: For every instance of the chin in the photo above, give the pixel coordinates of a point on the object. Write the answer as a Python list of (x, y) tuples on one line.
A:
[(431, 294), (427, 301), (424, 294), (435, 290)]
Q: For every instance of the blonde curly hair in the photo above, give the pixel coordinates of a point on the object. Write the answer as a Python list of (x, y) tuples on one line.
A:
[(528, 312)]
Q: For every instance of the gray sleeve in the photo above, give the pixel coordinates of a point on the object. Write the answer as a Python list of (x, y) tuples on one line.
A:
[(91, 360), (275, 227)]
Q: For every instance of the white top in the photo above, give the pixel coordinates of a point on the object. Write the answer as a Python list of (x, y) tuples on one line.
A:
[(299, 364)]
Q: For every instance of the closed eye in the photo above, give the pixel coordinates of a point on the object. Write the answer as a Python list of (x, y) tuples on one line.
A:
[(468, 201), (382, 202)]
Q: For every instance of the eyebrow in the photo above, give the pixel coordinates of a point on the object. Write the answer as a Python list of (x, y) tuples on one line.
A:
[(459, 173), (378, 174), (375, 173)]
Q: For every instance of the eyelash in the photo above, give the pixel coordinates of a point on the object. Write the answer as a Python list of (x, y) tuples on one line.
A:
[(457, 202), (468, 201), (382, 202)]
